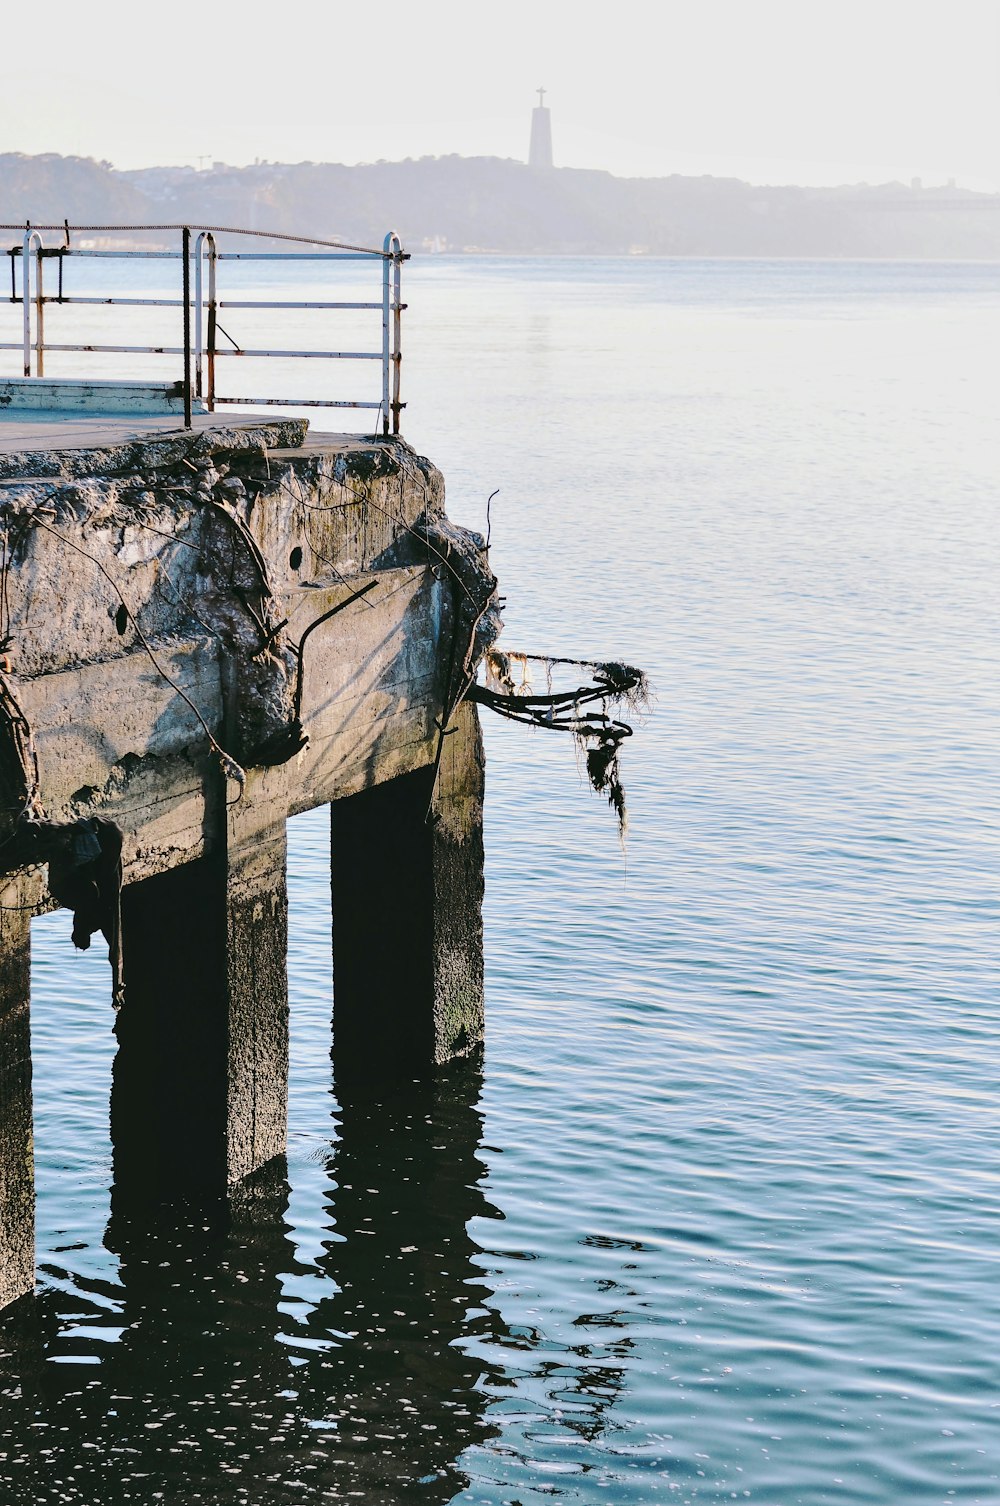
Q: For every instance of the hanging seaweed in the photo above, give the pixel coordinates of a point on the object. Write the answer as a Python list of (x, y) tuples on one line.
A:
[(583, 711)]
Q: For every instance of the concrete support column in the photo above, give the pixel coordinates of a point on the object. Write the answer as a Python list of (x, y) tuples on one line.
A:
[(201, 1077), (407, 915), (257, 974), (17, 1170)]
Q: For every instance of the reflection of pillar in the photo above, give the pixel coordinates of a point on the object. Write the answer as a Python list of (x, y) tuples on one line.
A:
[(236, 1368), (408, 1313), (193, 1394), (200, 1080), (201, 1290), (17, 1171), (407, 914), (23, 1465)]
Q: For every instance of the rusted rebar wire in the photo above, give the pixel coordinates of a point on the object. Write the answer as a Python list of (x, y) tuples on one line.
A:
[(596, 732), (598, 724), (386, 512), (164, 533), (454, 698), (253, 548), (230, 766), (318, 622), (267, 634), (581, 697), (11, 544), (421, 538), (447, 712), (177, 600), (612, 681), (619, 678), (38, 908), (4, 591), (24, 751), (344, 579), (268, 631)]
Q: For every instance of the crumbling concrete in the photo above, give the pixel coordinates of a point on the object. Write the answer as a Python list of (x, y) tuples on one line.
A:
[(208, 631), (17, 1173)]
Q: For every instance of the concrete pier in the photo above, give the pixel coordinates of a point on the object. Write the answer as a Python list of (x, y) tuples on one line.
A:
[(407, 867), (204, 633)]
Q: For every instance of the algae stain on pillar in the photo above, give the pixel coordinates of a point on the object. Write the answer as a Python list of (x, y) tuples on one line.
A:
[(17, 1171)]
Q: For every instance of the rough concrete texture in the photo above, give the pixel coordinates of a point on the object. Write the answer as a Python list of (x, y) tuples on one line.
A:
[(256, 974), (67, 395), (457, 883), (181, 609), (154, 594), (17, 1176), (56, 450)]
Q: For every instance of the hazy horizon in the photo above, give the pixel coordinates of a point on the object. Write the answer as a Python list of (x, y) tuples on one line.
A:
[(778, 95), (217, 165)]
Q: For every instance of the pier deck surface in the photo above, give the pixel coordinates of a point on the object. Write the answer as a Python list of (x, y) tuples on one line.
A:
[(23, 433)]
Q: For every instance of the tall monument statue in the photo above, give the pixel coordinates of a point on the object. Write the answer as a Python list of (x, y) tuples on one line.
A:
[(540, 152)]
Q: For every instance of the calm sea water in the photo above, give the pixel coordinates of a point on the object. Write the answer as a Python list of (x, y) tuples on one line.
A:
[(719, 1219)]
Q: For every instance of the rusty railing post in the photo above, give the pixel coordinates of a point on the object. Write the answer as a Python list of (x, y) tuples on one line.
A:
[(392, 308), (397, 353), (186, 300), (205, 241), (386, 306)]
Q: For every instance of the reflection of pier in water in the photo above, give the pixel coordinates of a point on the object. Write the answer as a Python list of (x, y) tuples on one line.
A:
[(215, 1386)]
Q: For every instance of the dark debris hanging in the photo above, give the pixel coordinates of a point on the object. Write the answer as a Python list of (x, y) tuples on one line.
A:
[(584, 711)]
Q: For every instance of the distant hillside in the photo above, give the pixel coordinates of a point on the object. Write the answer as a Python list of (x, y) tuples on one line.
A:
[(491, 204), (66, 188)]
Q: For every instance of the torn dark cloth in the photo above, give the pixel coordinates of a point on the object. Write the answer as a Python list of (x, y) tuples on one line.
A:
[(85, 876)]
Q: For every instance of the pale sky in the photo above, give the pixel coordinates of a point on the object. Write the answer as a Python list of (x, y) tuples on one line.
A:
[(807, 91)]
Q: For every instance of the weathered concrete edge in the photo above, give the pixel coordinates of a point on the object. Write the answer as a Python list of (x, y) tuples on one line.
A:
[(147, 451)]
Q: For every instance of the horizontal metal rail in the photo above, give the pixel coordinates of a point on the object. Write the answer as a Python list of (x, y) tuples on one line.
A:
[(300, 255), (178, 350), (305, 355), (205, 349), (296, 402), (177, 303), (51, 253), (257, 303)]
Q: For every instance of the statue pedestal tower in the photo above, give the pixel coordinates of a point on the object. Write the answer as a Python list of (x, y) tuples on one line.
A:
[(540, 151)]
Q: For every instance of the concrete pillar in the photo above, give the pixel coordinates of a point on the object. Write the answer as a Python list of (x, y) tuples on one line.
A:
[(201, 1078), (407, 914), (257, 973), (17, 1170)]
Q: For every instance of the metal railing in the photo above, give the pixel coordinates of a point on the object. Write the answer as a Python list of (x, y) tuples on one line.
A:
[(201, 351)]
